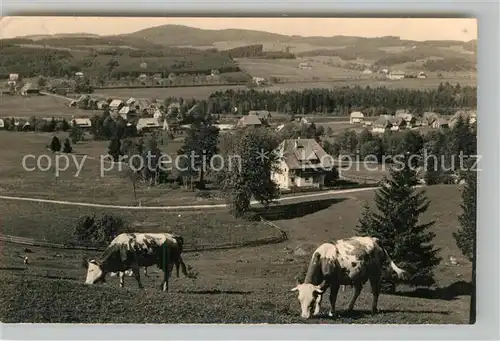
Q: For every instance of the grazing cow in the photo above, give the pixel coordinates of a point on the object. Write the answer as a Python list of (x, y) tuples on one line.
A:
[(350, 262), (134, 250)]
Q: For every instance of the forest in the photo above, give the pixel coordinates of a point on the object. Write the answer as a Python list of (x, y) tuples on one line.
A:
[(445, 99)]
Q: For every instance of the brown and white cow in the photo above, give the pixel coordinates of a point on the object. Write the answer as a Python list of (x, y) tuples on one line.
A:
[(130, 251), (351, 262)]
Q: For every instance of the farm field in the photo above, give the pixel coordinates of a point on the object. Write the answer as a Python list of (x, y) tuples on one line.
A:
[(39, 106), (54, 277), (288, 70), (203, 92)]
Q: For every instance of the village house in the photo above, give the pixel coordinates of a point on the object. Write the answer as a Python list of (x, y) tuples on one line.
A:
[(82, 123), (79, 74), (305, 66), (116, 105), (2, 124), (258, 80), (356, 117), (398, 123), (127, 112), (439, 123), (29, 89), (367, 72), (422, 75), (407, 117), (224, 127), (263, 115), (470, 116), (101, 105), (429, 117), (303, 163), (146, 124), (382, 124), (396, 75), (13, 78), (249, 120)]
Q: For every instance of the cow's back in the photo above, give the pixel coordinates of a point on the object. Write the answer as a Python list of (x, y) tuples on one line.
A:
[(145, 249), (355, 257)]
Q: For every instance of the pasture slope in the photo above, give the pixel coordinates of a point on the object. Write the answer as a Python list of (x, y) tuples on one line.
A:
[(244, 285)]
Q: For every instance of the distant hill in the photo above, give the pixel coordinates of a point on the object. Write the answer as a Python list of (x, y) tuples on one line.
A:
[(183, 49), (59, 35)]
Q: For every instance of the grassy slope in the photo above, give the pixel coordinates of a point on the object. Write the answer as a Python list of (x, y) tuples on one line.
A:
[(89, 186), (249, 285)]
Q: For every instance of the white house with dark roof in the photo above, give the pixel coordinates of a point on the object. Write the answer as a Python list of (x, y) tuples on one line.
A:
[(396, 75), (2, 124), (83, 123), (116, 105), (356, 117), (382, 123), (250, 120), (302, 163)]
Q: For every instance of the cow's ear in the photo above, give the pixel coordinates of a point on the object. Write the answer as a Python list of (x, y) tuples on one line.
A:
[(318, 289), (294, 289)]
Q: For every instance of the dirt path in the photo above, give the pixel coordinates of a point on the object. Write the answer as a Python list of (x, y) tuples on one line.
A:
[(180, 207)]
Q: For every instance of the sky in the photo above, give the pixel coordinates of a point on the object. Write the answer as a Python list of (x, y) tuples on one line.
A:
[(406, 28)]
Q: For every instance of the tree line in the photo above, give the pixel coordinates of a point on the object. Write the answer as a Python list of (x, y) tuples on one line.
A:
[(445, 99)]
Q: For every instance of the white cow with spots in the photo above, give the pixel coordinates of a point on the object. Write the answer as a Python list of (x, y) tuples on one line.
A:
[(352, 262), (130, 251)]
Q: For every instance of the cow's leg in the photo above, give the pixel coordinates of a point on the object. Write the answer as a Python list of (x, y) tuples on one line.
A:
[(318, 305), (375, 284), (166, 276), (121, 275), (146, 271), (137, 276), (334, 290), (357, 290)]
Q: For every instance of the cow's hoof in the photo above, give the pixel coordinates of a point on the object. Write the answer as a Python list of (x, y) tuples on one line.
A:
[(374, 311), (331, 314)]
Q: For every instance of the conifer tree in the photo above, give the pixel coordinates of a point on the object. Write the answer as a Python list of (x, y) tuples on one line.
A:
[(67, 147), (465, 237), (396, 223), (55, 144)]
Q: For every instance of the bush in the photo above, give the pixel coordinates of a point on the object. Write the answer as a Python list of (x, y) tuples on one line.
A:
[(98, 230)]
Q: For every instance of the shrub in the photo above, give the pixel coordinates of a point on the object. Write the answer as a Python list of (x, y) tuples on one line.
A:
[(98, 230)]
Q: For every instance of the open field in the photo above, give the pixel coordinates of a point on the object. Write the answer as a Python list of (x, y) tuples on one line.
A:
[(113, 186), (288, 70), (332, 69), (203, 92), (260, 277), (39, 106)]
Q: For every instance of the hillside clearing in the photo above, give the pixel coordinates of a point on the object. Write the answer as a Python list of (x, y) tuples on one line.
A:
[(55, 277)]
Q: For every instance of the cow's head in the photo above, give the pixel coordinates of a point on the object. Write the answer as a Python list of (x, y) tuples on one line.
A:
[(95, 274), (309, 297)]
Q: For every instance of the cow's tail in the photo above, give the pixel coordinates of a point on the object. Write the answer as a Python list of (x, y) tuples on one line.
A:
[(402, 274), (179, 263)]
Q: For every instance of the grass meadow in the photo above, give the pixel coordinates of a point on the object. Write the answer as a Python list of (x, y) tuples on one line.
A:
[(245, 285)]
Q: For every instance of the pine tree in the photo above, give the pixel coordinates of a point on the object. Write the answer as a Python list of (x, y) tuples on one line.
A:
[(396, 223), (67, 147), (55, 144), (465, 237)]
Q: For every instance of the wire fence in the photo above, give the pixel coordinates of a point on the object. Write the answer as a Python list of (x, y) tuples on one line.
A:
[(282, 236)]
